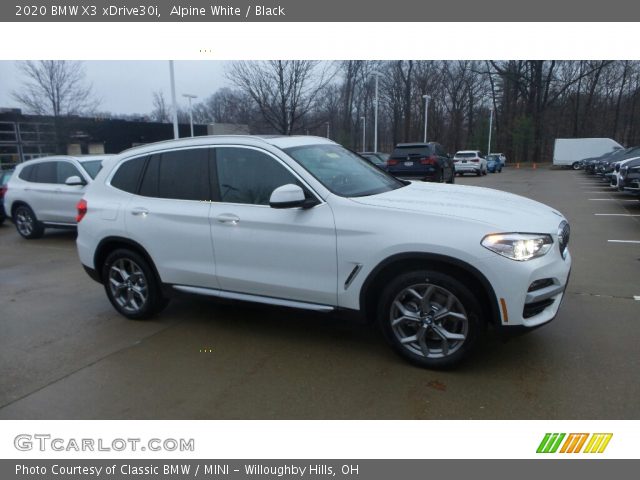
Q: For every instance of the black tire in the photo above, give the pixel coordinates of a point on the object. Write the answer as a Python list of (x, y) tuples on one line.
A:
[(27, 223), (575, 165), (479, 173), (138, 283), (445, 287)]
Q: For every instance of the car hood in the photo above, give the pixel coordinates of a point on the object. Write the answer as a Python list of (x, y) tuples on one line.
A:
[(497, 209)]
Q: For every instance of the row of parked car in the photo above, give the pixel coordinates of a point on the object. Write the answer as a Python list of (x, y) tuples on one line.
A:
[(620, 169), (430, 162), (303, 222)]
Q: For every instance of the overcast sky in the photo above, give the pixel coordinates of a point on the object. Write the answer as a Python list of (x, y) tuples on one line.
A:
[(128, 86)]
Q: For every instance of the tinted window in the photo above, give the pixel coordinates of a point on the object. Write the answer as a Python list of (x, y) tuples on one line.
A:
[(183, 175), (92, 167), (27, 173), (466, 155), (128, 175), (249, 176), (46, 172), (411, 151), (66, 170)]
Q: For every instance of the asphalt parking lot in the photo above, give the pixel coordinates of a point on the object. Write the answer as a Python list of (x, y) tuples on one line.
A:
[(66, 354)]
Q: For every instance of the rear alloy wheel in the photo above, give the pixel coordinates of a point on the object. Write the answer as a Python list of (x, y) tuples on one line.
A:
[(575, 165), (430, 318), (131, 285), (26, 223)]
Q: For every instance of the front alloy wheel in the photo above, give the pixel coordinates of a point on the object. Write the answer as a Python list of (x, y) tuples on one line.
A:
[(430, 318)]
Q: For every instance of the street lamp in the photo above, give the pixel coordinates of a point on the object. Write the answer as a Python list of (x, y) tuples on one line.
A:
[(490, 128), (190, 97), (328, 129), (364, 134), (426, 115), (375, 115), (174, 105)]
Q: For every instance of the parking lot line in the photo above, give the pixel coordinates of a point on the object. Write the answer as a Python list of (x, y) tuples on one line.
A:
[(613, 199), (617, 215), (623, 241), (636, 297)]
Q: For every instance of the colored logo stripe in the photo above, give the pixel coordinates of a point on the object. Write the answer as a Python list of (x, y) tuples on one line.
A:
[(550, 443), (597, 443)]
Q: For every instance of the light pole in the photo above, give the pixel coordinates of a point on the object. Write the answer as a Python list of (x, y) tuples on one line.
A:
[(426, 115), (190, 96), (375, 116), (490, 128), (173, 100), (364, 134), (328, 129)]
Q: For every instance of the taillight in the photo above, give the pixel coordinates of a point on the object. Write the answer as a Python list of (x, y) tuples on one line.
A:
[(429, 161), (82, 210), (3, 191), (475, 160), (392, 162)]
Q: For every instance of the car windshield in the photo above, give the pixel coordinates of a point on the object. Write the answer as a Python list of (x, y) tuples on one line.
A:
[(92, 167), (343, 172)]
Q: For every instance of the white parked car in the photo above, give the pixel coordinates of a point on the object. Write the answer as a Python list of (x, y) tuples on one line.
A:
[(302, 222), (43, 193), (470, 161)]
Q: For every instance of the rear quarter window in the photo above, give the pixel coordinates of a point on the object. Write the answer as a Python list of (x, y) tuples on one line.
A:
[(127, 177)]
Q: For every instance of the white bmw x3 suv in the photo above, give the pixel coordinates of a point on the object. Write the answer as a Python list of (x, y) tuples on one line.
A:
[(43, 193), (302, 222)]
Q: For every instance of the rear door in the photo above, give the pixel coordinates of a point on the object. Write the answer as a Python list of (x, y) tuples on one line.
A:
[(41, 190), (169, 215)]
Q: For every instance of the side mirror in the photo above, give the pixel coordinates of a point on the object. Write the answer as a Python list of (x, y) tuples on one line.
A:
[(74, 181), (289, 196)]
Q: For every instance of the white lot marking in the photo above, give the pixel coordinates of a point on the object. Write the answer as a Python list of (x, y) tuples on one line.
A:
[(636, 297), (624, 241), (617, 215), (611, 199)]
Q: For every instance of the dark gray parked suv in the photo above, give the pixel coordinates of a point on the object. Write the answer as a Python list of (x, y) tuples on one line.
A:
[(426, 161)]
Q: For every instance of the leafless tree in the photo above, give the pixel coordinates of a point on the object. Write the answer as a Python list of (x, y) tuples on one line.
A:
[(284, 90), (55, 87), (161, 111)]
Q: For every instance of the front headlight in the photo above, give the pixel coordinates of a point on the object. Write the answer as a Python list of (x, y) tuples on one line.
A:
[(518, 246)]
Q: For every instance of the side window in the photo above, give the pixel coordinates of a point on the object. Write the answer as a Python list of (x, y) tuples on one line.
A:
[(66, 170), (128, 175), (27, 173), (249, 176), (182, 175), (46, 172)]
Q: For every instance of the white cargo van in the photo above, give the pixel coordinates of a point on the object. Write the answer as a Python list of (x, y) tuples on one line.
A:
[(567, 152)]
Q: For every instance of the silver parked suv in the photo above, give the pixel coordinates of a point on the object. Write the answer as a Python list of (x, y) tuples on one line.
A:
[(43, 193)]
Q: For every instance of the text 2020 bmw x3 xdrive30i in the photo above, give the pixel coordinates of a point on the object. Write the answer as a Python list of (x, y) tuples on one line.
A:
[(304, 223)]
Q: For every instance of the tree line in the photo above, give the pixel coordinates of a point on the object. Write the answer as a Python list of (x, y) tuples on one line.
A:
[(530, 102)]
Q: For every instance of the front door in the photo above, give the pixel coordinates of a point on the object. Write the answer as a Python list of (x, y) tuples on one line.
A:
[(282, 253)]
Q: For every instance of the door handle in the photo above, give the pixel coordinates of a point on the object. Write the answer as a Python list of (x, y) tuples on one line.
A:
[(139, 211), (228, 218)]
